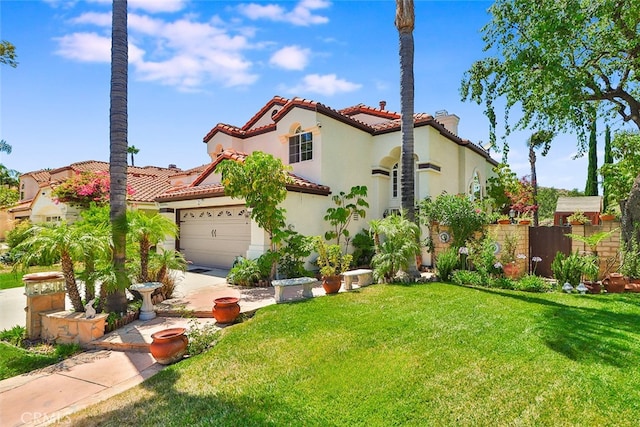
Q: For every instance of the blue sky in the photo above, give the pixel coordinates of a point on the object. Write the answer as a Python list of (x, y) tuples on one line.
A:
[(194, 64)]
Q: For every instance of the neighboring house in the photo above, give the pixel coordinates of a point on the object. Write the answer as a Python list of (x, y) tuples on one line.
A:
[(38, 205), (590, 206), (329, 151)]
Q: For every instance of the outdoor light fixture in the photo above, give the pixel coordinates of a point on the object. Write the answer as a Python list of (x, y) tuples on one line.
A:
[(581, 288), (567, 287), (512, 214)]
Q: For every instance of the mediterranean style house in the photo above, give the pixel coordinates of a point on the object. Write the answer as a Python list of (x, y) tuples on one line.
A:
[(37, 204), (329, 151)]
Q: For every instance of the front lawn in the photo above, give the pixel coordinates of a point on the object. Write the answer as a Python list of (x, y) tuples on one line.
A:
[(16, 360), (429, 354), (13, 279)]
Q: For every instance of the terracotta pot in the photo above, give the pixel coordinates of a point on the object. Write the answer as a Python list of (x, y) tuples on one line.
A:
[(331, 284), (615, 283), (593, 287), (169, 345), (633, 286), (504, 221), (525, 222), (226, 309), (607, 217), (511, 270)]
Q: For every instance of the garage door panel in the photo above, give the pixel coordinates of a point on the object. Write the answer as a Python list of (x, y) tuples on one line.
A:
[(214, 236)]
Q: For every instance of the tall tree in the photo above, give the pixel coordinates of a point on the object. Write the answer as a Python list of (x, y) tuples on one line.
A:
[(8, 54), (608, 160), (591, 187), (540, 139), (561, 62), (118, 121), (405, 19), (132, 150)]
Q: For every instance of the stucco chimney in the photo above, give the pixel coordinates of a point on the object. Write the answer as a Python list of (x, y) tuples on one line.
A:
[(449, 121), (383, 104)]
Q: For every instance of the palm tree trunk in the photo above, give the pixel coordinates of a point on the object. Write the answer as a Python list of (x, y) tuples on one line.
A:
[(89, 278), (70, 282), (118, 151), (405, 21)]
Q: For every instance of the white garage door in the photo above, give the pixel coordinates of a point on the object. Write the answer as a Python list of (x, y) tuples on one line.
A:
[(214, 237)]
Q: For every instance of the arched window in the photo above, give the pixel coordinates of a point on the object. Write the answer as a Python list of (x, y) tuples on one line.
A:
[(300, 146), (475, 189)]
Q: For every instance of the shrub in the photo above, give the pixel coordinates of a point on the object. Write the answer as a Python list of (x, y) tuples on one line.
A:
[(14, 336), (502, 283), (245, 272), (458, 212), (630, 265), (363, 249), (292, 255), (533, 283), (446, 262), (567, 269), (466, 277), (201, 337), (483, 258)]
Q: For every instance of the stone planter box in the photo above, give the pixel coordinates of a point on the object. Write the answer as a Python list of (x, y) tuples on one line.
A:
[(67, 327)]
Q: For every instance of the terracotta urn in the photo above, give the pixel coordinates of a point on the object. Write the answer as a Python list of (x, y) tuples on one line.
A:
[(615, 283), (511, 270), (226, 309), (331, 284), (169, 345)]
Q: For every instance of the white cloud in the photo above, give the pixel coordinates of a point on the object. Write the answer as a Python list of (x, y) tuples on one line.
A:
[(94, 18), (302, 14), (85, 47), (156, 6), (291, 58), (185, 52), (328, 84)]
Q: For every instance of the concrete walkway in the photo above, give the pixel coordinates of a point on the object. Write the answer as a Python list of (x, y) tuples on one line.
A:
[(121, 359)]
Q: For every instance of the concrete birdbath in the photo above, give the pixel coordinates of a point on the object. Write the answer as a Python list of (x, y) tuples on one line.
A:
[(146, 289)]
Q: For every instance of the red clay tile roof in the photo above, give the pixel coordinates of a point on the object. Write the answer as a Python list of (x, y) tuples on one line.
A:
[(146, 182), (197, 190), (345, 116)]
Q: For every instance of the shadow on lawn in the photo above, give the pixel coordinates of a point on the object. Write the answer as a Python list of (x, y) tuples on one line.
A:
[(171, 407), (586, 334)]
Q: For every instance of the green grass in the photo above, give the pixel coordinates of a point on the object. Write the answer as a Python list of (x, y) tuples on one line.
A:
[(16, 360), (13, 279), (390, 355)]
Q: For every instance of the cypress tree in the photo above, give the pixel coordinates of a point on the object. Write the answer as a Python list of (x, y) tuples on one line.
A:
[(608, 159), (591, 189)]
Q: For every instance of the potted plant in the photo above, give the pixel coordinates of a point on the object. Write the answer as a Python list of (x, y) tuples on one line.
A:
[(590, 272), (508, 256), (332, 262), (525, 218), (609, 214), (504, 219), (578, 218)]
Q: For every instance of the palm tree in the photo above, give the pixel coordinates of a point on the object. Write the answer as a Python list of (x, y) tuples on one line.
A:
[(147, 231), (541, 138), (396, 243), (132, 150), (405, 19), (118, 121), (69, 243)]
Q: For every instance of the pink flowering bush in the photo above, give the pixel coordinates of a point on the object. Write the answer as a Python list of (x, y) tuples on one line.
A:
[(85, 188)]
